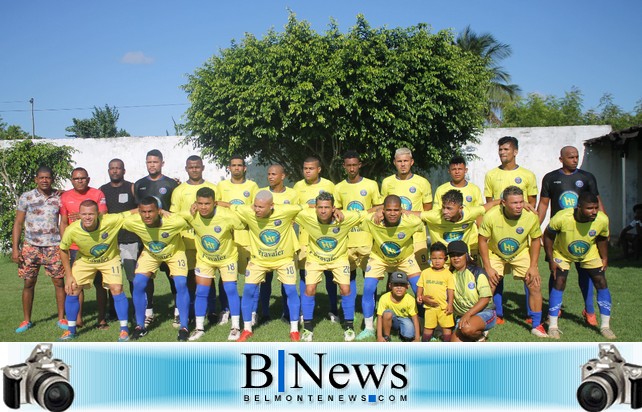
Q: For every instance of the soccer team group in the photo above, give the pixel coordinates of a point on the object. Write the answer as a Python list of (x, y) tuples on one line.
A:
[(198, 232)]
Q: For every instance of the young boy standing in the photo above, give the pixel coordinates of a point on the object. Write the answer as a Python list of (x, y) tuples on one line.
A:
[(397, 311), (436, 290)]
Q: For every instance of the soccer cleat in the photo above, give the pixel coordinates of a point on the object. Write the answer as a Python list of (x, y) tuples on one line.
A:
[(62, 324), (24, 326), (499, 320), (235, 334), (528, 320), (348, 335), (539, 331), (333, 318), (139, 332), (608, 333), (366, 334), (590, 318), (245, 335), (196, 334), (149, 320), (224, 317), (254, 318), (306, 335), (67, 336), (295, 336), (176, 323), (183, 335), (554, 333), (123, 336)]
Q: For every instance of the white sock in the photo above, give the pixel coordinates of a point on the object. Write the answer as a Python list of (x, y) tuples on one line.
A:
[(71, 323), (369, 322), (149, 312), (175, 311), (236, 322), (605, 321), (247, 326), (200, 322), (123, 323), (552, 321), (294, 326)]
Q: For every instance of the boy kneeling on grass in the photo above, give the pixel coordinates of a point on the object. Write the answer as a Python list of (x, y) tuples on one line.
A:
[(397, 311)]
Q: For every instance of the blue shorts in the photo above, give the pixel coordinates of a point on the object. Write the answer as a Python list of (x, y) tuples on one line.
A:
[(405, 326), (488, 315)]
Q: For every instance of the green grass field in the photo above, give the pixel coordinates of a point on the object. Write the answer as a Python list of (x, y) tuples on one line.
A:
[(623, 279)]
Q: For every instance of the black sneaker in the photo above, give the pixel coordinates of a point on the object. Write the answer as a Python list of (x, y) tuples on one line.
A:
[(183, 335), (139, 332)]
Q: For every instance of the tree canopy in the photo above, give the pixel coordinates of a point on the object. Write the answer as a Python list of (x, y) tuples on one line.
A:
[(101, 124), (299, 93), (12, 132)]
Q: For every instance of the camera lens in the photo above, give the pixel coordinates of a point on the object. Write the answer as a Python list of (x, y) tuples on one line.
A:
[(53, 392), (597, 392)]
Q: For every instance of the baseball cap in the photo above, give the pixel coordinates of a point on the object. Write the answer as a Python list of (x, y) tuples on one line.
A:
[(458, 247), (398, 277)]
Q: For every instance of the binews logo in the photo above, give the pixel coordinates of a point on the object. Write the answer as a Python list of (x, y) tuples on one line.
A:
[(307, 379)]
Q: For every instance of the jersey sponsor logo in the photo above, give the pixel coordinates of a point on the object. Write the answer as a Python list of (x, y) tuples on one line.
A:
[(368, 268), (412, 189), (557, 260), (578, 248), (246, 194), (363, 192), (247, 272), (156, 246), (465, 226), (579, 183), (390, 249), (355, 205), (99, 250), (592, 233), (452, 236), (237, 202), (406, 204), (197, 271), (217, 229), (508, 246), (104, 236), (162, 190), (210, 243), (568, 199), (518, 180), (286, 202), (471, 285), (327, 244), (164, 235), (519, 230), (469, 198), (336, 229), (277, 222), (401, 235), (270, 237)]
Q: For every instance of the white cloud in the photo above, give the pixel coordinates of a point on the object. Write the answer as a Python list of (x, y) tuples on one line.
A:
[(136, 57)]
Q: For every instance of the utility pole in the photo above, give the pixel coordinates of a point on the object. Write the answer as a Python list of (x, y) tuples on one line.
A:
[(33, 121)]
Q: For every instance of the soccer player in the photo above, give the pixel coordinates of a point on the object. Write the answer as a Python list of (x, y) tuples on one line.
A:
[(415, 193), (509, 240), (37, 212), (97, 240), (308, 189), (327, 251), (69, 208), (160, 187), (273, 245), (457, 170), (392, 250), (183, 198), (397, 311), (564, 186), (163, 244), (236, 191), (473, 305), (579, 235), (356, 193), (216, 251)]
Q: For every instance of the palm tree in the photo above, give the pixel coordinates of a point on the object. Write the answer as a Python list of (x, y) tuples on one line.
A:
[(501, 91)]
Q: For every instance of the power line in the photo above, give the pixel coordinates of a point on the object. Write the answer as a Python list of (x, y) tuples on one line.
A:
[(93, 107)]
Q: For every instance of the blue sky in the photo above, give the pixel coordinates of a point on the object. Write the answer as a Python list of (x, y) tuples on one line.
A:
[(73, 55)]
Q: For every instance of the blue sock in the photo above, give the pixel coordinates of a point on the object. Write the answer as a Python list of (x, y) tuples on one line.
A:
[(331, 289), (527, 293), (233, 299), (182, 299), (307, 306), (498, 298), (586, 286), (293, 301), (72, 307), (603, 301), (250, 293), (555, 302), (347, 304), (222, 296), (121, 304), (266, 293), (537, 318), (139, 297), (413, 285), (200, 302), (353, 286), (368, 298)]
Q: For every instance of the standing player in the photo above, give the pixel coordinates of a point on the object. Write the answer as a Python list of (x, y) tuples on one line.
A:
[(392, 250), (69, 208), (37, 212), (273, 245), (96, 238), (327, 252), (311, 186), (564, 186), (163, 244), (160, 187), (457, 170), (415, 193), (509, 240), (579, 235), (236, 191), (356, 193)]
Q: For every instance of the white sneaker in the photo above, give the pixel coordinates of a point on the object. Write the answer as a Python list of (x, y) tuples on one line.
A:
[(196, 334), (333, 318), (539, 332), (254, 318), (223, 317), (607, 333), (306, 335), (235, 334), (554, 333), (348, 335)]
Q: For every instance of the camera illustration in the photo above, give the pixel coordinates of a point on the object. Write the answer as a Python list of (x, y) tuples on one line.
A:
[(41, 379), (608, 380)]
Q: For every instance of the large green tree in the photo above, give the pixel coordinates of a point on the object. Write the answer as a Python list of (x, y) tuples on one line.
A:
[(12, 132), (101, 124), (18, 164), (299, 93)]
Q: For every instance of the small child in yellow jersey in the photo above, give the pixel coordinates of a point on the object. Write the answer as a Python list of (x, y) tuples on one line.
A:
[(436, 291)]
